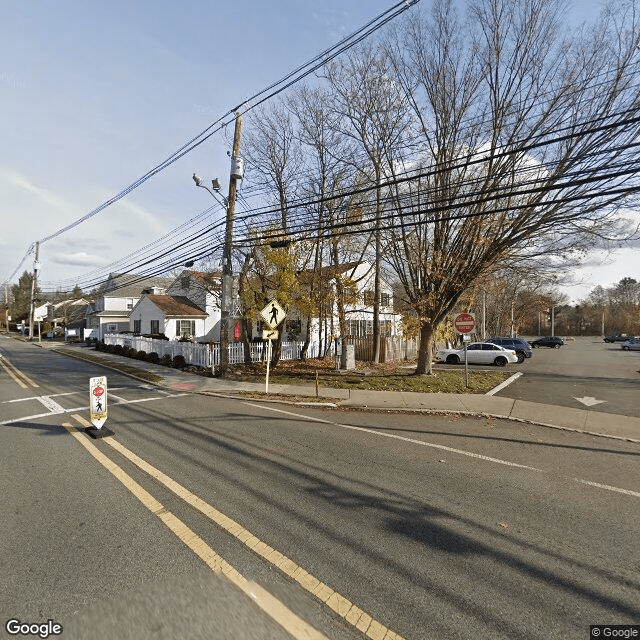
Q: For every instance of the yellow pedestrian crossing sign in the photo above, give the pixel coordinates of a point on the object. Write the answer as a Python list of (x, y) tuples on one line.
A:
[(273, 314)]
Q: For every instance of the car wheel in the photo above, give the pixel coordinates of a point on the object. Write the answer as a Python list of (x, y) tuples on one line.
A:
[(625, 349), (452, 359), (521, 357), (500, 361), (557, 346)]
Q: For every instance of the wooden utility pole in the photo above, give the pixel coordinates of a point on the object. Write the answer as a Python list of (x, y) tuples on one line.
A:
[(36, 266), (227, 266)]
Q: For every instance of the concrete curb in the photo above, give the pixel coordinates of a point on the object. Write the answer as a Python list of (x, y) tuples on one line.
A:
[(475, 405)]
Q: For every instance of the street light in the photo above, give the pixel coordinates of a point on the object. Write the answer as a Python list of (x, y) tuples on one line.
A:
[(214, 190), (237, 170), (227, 274)]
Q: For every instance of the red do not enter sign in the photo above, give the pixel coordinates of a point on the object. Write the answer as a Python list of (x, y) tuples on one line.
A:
[(464, 323)]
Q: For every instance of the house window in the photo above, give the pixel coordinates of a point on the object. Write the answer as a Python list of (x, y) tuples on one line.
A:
[(385, 299), (155, 326), (368, 298), (129, 303), (136, 326), (185, 328), (112, 327)]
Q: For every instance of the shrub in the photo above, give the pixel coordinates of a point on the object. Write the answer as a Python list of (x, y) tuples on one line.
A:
[(141, 355), (153, 357), (117, 349), (167, 360), (179, 362)]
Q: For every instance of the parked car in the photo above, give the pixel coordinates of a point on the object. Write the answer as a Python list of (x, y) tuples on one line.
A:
[(633, 344), (553, 342), (478, 353), (520, 346), (620, 337)]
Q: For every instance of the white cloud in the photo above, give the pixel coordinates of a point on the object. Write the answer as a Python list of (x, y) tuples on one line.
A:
[(80, 259), (46, 196)]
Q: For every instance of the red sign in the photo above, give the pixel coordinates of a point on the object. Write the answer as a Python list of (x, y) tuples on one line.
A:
[(98, 391), (464, 323)]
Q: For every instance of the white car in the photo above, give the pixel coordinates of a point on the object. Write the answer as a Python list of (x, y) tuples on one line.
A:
[(631, 344), (478, 353)]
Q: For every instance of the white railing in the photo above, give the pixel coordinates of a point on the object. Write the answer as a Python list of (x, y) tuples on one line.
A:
[(205, 355)]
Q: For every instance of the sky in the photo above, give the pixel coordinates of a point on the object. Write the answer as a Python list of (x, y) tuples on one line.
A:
[(94, 94)]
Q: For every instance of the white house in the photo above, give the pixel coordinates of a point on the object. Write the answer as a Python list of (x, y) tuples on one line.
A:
[(109, 313), (359, 314), (173, 316), (190, 307)]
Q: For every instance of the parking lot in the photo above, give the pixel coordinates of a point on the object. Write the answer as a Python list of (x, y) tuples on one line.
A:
[(585, 373)]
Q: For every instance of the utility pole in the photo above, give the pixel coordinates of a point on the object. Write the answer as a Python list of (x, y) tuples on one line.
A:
[(227, 266), (36, 266), (6, 305)]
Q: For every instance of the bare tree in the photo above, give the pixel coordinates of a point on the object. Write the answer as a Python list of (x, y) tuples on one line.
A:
[(328, 176), (272, 151), (527, 143), (373, 113)]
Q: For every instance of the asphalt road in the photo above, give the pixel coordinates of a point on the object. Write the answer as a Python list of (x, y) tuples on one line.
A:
[(433, 527), (585, 373)]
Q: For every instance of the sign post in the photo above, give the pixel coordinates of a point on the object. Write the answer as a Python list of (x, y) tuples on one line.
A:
[(273, 314), (464, 324), (98, 407)]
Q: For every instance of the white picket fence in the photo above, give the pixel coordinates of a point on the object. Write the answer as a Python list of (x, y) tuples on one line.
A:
[(205, 355)]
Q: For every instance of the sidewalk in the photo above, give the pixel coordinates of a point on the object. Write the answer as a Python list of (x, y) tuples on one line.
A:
[(581, 420)]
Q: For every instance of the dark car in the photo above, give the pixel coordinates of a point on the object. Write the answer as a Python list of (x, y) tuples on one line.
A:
[(554, 342), (621, 337), (520, 346)]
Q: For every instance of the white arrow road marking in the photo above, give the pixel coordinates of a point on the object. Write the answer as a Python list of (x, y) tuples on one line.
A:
[(590, 401)]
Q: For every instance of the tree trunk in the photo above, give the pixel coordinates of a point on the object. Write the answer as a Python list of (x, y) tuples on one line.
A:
[(307, 340), (424, 349), (246, 326)]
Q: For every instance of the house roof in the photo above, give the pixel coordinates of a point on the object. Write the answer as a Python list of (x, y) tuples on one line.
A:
[(327, 271), (131, 285), (112, 314), (177, 306), (209, 280)]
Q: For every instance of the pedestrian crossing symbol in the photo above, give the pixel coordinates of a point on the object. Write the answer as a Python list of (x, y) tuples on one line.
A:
[(273, 314)]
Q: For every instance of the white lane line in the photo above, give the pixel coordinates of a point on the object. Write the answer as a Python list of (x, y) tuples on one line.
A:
[(274, 608), (504, 384), (50, 404), (393, 436), (469, 454), (608, 487), (75, 409)]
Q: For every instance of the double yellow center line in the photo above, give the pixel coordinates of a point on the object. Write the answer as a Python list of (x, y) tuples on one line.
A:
[(298, 628), (21, 379)]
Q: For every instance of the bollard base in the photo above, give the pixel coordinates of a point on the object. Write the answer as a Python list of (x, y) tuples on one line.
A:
[(99, 433)]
